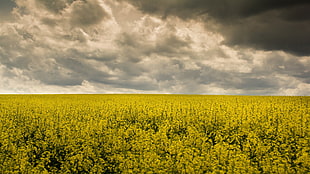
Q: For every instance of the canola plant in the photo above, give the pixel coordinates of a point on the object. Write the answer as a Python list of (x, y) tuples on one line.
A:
[(154, 134)]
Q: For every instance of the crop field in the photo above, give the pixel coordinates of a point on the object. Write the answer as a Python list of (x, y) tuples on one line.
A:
[(154, 134)]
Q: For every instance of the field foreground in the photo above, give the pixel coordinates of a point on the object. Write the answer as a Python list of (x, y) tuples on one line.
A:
[(154, 134)]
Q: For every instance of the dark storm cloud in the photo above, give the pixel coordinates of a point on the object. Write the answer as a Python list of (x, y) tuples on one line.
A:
[(6, 7), (263, 24), (221, 9), (270, 32)]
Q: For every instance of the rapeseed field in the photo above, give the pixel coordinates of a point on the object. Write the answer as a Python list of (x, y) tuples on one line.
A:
[(154, 134)]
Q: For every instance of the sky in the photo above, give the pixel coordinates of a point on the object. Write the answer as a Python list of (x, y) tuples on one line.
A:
[(222, 47)]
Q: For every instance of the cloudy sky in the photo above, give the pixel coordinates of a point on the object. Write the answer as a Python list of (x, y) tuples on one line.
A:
[(242, 47)]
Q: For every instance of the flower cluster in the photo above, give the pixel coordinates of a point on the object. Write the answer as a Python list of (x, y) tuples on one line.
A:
[(154, 134)]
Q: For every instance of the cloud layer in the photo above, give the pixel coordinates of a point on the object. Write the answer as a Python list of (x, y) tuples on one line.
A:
[(263, 24), (93, 46)]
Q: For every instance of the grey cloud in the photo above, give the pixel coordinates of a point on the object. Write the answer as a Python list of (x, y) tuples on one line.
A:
[(254, 83), (48, 21), (69, 67), (263, 24), (102, 56), (25, 34), (289, 65), (39, 68), (304, 76), (128, 40), (11, 48), (83, 70), (87, 13), (125, 77), (173, 73), (21, 62), (296, 13), (135, 84), (216, 52), (269, 32), (83, 13), (170, 45), (170, 70), (128, 69), (75, 35), (221, 9), (55, 77), (226, 80), (6, 7), (55, 6), (133, 47), (238, 81)]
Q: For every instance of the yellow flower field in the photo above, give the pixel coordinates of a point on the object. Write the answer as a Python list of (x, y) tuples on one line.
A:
[(154, 134)]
